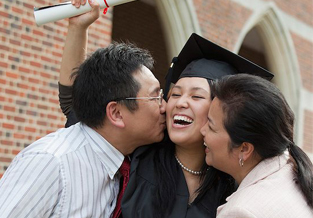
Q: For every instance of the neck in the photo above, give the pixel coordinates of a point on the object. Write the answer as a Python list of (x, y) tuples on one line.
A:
[(242, 172), (116, 138), (190, 157)]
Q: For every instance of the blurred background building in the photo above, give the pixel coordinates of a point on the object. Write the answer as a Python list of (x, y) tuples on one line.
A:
[(277, 35)]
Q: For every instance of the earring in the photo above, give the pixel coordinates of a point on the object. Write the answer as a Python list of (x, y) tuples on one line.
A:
[(241, 162)]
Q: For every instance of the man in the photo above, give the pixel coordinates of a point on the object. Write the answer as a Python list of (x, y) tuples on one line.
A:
[(73, 172)]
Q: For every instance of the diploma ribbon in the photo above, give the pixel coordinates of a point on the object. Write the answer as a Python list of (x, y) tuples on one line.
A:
[(106, 9)]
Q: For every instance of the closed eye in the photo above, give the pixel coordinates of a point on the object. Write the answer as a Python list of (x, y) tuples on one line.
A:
[(198, 97), (175, 95), (211, 129)]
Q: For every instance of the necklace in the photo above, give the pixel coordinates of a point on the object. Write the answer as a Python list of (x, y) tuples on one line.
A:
[(187, 169)]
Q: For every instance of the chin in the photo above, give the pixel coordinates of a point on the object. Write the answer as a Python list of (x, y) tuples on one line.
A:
[(177, 140), (208, 161), (159, 138)]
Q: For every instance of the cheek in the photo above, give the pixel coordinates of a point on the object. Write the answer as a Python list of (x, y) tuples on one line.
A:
[(202, 114), (169, 106), (168, 118)]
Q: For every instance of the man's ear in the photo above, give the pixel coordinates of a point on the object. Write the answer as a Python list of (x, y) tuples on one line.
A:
[(114, 114), (246, 150)]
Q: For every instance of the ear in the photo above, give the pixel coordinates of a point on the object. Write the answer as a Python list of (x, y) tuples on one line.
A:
[(246, 151), (114, 114)]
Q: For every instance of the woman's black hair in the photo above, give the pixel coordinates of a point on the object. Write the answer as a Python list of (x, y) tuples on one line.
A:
[(257, 112)]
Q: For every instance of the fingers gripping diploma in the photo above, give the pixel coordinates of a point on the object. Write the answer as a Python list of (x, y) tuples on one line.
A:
[(72, 8)]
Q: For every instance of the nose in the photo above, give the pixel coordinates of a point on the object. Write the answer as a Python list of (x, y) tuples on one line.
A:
[(163, 107), (203, 128), (182, 102)]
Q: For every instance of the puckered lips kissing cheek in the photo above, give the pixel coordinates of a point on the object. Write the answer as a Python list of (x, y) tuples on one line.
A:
[(181, 121), (163, 124)]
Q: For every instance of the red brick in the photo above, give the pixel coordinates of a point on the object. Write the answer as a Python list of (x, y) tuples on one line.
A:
[(46, 59), (39, 33), (27, 37), (4, 14), (23, 69), (30, 129), (55, 101), (8, 108), (5, 159), (15, 42), (29, 6), (19, 119), (27, 21), (12, 75), (3, 64), (11, 91), (44, 107), (15, 152), (57, 54), (17, 10), (42, 123), (33, 80), (18, 136), (53, 117), (22, 86), (36, 64), (6, 142)]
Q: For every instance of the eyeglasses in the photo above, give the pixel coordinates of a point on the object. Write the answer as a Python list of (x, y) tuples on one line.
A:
[(159, 98)]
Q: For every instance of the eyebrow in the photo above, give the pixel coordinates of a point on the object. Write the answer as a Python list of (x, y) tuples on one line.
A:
[(193, 88), (155, 90)]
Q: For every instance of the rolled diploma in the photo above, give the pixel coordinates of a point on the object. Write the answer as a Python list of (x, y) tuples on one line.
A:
[(53, 13)]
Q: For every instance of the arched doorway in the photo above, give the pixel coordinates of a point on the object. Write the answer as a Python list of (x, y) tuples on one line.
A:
[(138, 22), (161, 26), (270, 43)]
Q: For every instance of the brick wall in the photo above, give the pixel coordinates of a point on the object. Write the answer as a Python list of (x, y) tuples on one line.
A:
[(29, 67), (221, 21), (302, 10), (304, 50)]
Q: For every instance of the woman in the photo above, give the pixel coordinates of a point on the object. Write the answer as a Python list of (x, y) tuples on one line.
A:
[(249, 135)]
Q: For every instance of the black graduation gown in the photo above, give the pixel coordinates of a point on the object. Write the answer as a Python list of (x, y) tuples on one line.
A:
[(137, 199)]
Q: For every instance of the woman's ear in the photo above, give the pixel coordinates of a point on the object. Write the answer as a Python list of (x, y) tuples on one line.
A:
[(246, 151), (114, 114)]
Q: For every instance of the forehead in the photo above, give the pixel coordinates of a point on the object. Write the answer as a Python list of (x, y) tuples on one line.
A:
[(216, 114), (193, 83), (147, 80)]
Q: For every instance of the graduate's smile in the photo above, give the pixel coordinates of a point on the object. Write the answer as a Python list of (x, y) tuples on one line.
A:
[(180, 120)]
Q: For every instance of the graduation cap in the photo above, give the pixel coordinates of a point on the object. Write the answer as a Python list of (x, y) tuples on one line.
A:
[(202, 58)]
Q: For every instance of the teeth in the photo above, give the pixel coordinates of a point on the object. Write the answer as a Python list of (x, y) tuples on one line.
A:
[(205, 144), (182, 118)]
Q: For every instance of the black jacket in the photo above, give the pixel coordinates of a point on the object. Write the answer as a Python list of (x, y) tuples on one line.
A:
[(138, 197)]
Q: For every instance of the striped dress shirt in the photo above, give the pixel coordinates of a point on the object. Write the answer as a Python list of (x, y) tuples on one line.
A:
[(69, 173)]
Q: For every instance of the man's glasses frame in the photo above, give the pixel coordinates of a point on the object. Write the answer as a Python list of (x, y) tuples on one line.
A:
[(159, 98)]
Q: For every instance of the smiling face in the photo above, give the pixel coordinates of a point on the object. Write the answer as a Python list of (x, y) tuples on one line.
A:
[(217, 141), (187, 110)]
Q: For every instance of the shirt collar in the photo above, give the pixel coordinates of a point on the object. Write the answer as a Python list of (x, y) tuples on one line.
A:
[(110, 157), (264, 169)]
